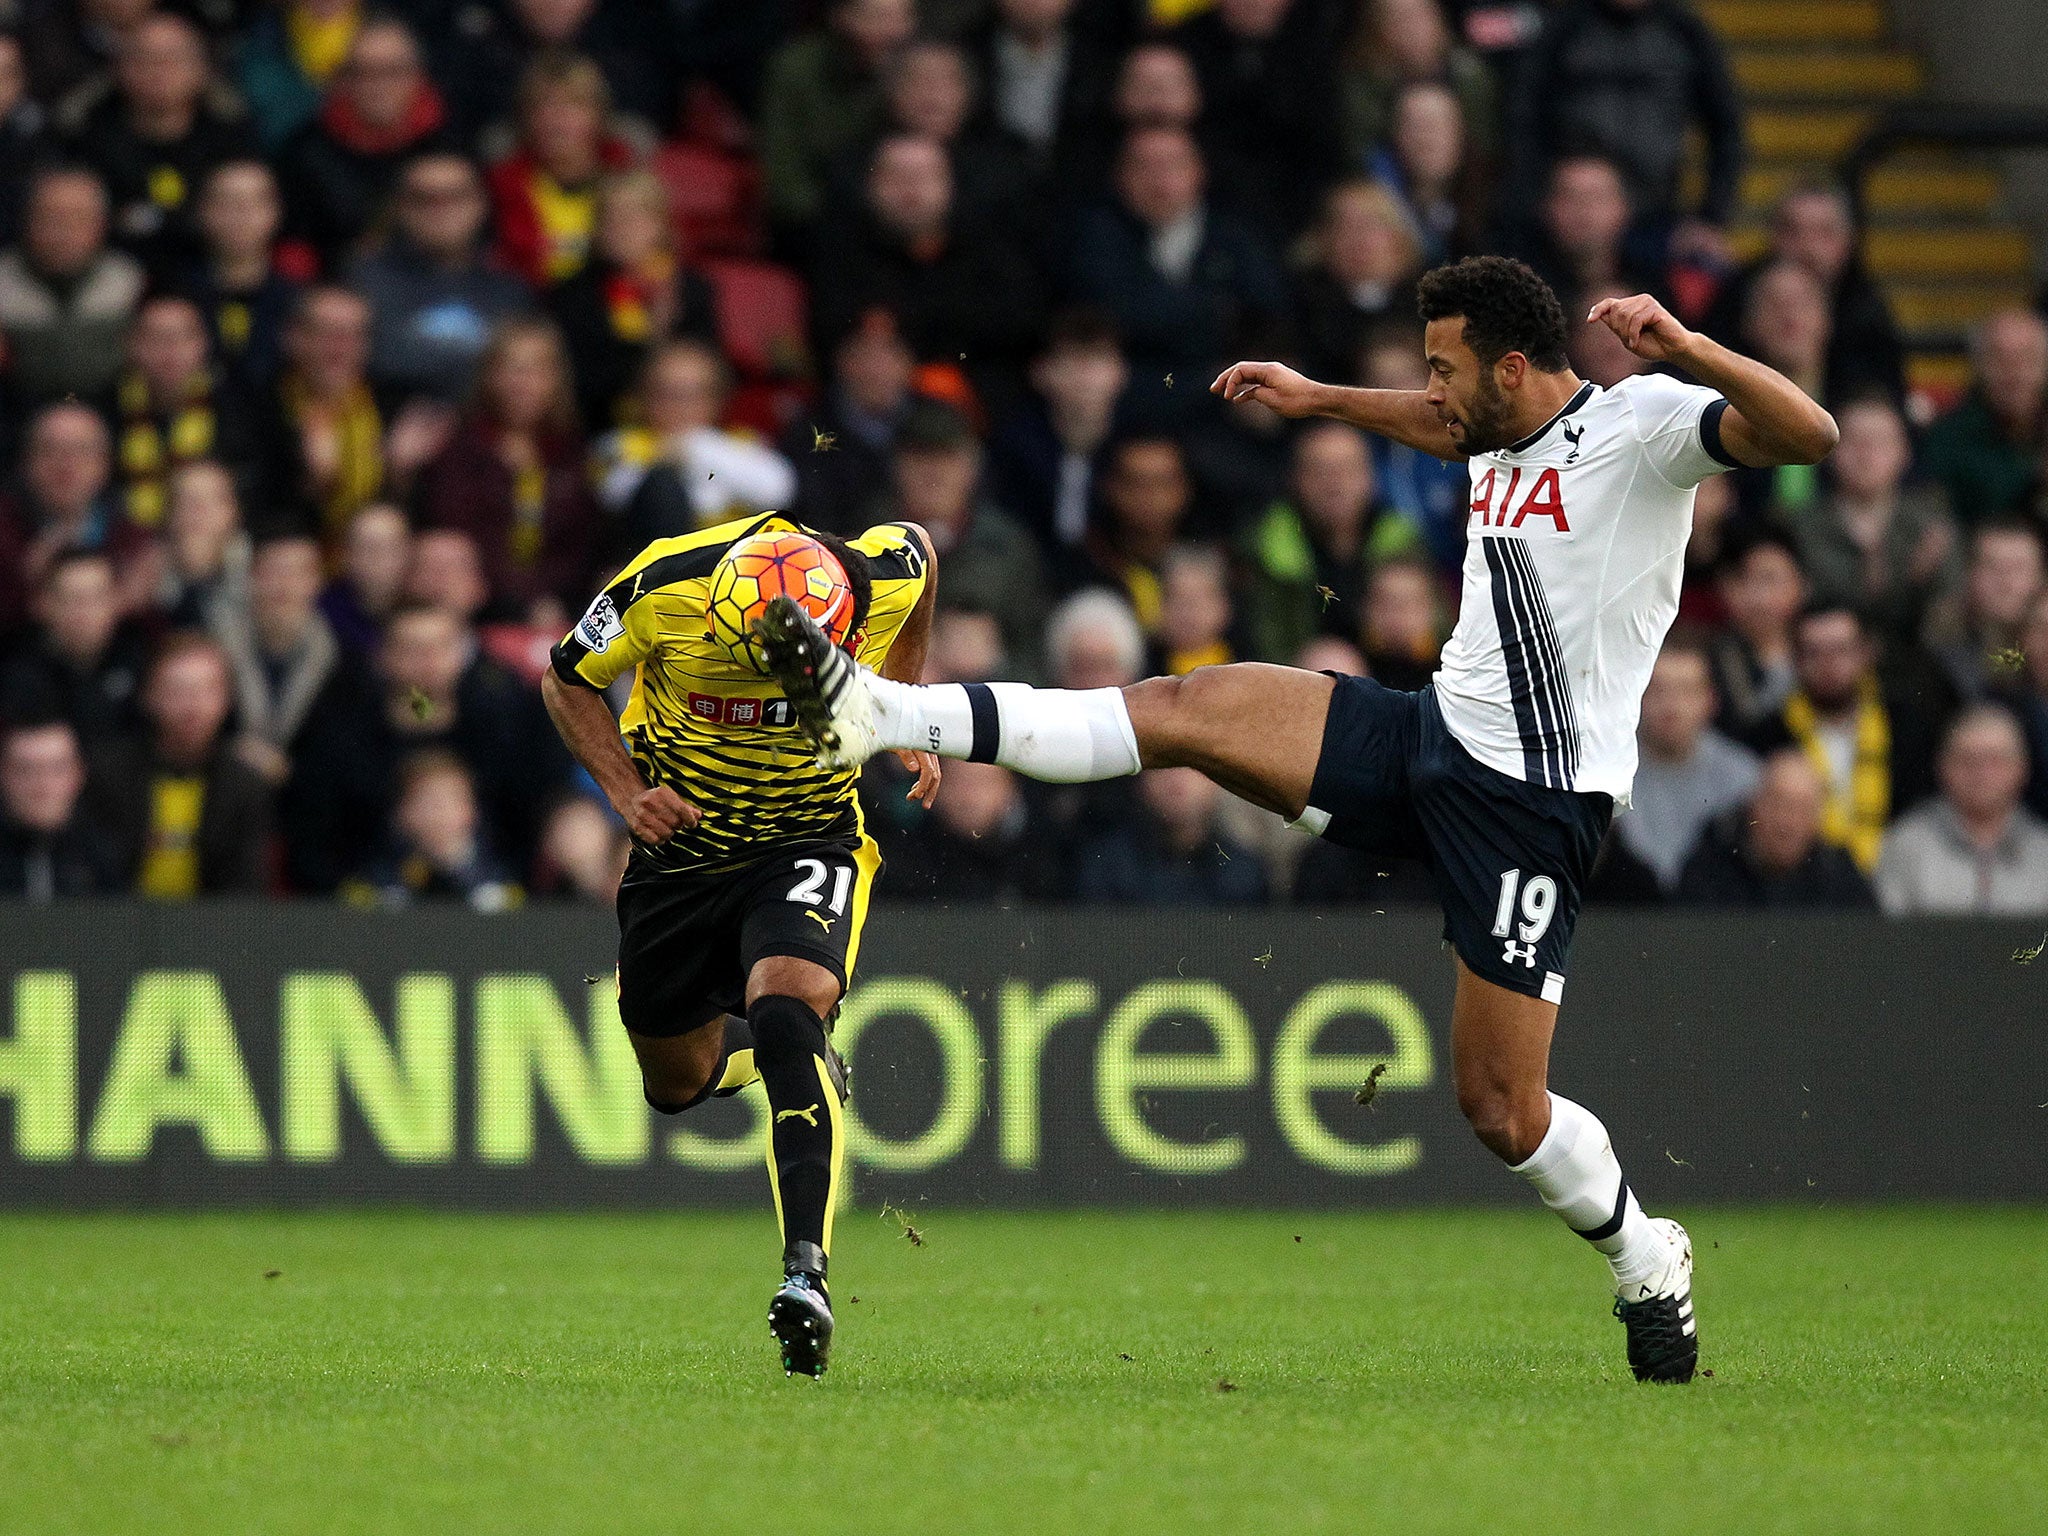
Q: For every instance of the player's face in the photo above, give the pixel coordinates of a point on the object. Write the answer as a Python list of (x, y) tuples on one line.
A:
[(1464, 391)]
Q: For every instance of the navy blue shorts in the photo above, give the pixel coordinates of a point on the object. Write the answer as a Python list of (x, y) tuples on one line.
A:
[(1510, 860)]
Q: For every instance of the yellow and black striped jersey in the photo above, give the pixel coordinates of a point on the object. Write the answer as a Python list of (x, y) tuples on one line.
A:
[(711, 728)]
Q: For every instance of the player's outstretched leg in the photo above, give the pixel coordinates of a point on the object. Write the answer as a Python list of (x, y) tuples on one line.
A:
[(806, 1143), (1256, 730), (1500, 1043)]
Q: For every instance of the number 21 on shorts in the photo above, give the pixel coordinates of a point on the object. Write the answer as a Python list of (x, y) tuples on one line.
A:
[(809, 890), (1539, 905)]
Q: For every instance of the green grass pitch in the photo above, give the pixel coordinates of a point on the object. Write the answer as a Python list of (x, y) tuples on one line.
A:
[(1874, 1370)]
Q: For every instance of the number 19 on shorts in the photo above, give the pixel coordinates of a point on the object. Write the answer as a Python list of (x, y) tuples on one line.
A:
[(1538, 904)]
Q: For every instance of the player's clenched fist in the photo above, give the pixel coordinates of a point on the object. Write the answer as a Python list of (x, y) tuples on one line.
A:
[(1274, 385), (1645, 327), (655, 815)]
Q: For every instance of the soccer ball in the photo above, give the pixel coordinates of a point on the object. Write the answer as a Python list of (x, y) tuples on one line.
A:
[(771, 565)]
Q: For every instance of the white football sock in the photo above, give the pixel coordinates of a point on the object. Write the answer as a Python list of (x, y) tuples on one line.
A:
[(1576, 1173), (1060, 735)]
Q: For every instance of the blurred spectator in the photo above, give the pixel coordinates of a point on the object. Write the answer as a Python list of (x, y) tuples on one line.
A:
[(959, 289), (1581, 249), (433, 299), (376, 549), (545, 191), (206, 553), (1404, 42), (324, 393), (1630, 79), (1196, 615), (189, 816), (1873, 749), (1975, 848), (284, 658), (1331, 653), (1986, 450), (680, 469), (1688, 774), (1872, 540), (24, 136), (1093, 640), (156, 138), (1043, 69), (430, 688), (583, 852), (841, 449), (1173, 853), (823, 94), (1271, 102), (1433, 494), (1146, 498), (1700, 599), (512, 476), (1364, 257), (986, 560), (1401, 630), (79, 663), (65, 298), (1184, 281), (1770, 854), (483, 57), (2006, 572), (71, 47), (246, 300), (48, 851), (447, 572), (380, 109), (2028, 692), (1155, 87), (286, 59), (1786, 323), (1047, 455), (1310, 557), (1595, 352), (437, 848), (1763, 589), (1815, 227), (169, 407), (980, 844), (1428, 165), (63, 502), (967, 647), (634, 293)]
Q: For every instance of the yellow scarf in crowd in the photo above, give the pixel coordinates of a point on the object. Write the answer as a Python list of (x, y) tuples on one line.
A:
[(359, 472), (320, 44), (149, 451), (1854, 821)]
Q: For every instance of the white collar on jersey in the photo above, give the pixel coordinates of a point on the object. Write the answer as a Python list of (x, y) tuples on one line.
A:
[(1577, 402)]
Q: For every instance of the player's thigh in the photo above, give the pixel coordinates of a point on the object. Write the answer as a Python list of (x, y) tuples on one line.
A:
[(804, 911), (1255, 729), (675, 1068), (679, 962)]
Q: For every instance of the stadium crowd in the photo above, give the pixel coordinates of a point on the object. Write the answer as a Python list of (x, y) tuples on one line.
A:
[(347, 349)]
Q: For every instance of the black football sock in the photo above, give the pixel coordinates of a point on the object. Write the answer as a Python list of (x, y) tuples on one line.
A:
[(804, 1137)]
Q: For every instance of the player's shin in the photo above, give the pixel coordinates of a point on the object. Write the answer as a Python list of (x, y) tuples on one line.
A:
[(1575, 1171), (1059, 735), (805, 1135)]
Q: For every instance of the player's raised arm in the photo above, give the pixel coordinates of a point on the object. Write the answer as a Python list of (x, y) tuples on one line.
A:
[(1405, 415), (1769, 420), (592, 737)]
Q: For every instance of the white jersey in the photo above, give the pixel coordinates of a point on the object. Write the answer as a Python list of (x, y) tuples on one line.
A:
[(1574, 552)]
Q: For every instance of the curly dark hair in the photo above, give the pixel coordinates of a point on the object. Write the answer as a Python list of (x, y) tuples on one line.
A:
[(1506, 308)]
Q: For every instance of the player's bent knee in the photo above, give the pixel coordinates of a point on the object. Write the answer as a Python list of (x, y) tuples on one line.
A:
[(793, 976), (1506, 1122), (672, 1091)]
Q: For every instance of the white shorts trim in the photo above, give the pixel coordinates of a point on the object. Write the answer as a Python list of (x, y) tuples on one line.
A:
[(1313, 821), (1553, 987)]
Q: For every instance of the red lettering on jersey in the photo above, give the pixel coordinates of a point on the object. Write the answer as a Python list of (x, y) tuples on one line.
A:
[(1482, 497), (1507, 497), (742, 711), (1546, 499), (706, 706)]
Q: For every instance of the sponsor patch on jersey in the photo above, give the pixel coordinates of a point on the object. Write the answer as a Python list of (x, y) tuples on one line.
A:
[(600, 625), (707, 706), (780, 712), (742, 711)]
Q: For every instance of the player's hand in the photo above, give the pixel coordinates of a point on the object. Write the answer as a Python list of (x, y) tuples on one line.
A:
[(655, 815), (1273, 385), (926, 766), (1645, 327)]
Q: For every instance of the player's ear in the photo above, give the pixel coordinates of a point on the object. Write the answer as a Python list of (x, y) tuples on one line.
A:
[(1509, 372)]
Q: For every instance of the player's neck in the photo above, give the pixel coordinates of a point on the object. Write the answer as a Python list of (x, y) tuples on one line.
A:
[(1541, 397)]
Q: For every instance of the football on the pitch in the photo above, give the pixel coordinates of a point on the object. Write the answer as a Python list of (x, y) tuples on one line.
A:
[(771, 565)]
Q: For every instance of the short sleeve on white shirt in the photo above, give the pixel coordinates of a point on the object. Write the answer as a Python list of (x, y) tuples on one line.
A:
[(1679, 426)]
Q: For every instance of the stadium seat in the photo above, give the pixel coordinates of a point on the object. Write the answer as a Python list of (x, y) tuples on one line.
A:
[(714, 199), (761, 313)]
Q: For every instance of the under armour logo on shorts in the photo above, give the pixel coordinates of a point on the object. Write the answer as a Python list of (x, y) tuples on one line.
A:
[(1512, 952)]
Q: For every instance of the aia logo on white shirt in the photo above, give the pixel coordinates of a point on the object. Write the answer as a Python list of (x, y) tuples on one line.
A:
[(1509, 506)]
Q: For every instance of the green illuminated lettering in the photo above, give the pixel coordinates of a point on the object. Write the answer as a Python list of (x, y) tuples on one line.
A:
[(1024, 1018), (39, 1066), (1298, 1073), (524, 1037), (1122, 1074), (177, 1019), (931, 1004), (327, 1031)]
